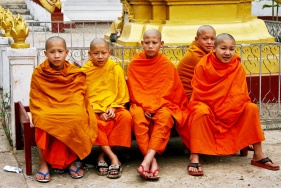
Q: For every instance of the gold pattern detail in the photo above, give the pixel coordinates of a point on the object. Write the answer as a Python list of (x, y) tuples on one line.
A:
[(19, 32), (7, 21), (2, 12), (128, 9), (50, 5)]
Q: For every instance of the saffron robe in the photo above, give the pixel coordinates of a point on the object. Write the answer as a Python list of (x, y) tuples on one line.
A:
[(65, 124), (187, 64), (222, 118), (107, 88), (155, 87)]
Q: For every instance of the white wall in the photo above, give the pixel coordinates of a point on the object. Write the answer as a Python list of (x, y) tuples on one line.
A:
[(258, 11), (38, 12)]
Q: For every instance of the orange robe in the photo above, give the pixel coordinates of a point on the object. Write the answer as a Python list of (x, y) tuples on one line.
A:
[(61, 113), (187, 64), (222, 119), (107, 88), (155, 87)]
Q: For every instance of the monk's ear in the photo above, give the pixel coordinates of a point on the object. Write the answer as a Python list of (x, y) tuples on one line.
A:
[(45, 53), (66, 51), (109, 51), (196, 38), (142, 42), (162, 43)]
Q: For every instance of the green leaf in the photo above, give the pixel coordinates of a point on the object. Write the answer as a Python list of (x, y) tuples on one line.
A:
[(268, 6)]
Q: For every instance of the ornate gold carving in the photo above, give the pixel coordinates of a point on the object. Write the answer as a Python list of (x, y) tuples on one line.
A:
[(50, 5), (19, 32), (127, 8), (2, 12), (7, 21)]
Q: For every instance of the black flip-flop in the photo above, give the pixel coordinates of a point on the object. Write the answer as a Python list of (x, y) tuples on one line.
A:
[(114, 168), (193, 173), (261, 163), (104, 165)]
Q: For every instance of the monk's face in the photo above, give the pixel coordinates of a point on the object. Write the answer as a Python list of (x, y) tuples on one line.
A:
[(225, 50), (99, 53), (151, 45), (56, 54), (206, 40)]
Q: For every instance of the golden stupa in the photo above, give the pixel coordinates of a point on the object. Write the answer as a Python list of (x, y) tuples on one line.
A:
[(178, 20)]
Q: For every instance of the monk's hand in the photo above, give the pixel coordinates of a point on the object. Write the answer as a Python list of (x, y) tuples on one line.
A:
[(104, 117), (147, 115), (110, 112)]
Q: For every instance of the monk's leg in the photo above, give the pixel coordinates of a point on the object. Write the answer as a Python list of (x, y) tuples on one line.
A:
[(258, 155), (247, 129), (194, 159), (103, 168), (160, 135), (147, 162), (141, 132), (140, 128), (43, 166), (121, 132), (112, 157), (201, 139)]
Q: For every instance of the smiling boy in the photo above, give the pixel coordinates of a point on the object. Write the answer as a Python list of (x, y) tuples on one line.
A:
[(222, 118), (108, 94), (65, 124), (158, 101)]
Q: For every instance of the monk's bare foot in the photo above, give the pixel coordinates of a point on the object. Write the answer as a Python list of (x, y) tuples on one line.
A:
[(75, 172), (260, 156), (114, 161), (102, 164), (43, 172), (143, 170), (154, 170), (194, 159)]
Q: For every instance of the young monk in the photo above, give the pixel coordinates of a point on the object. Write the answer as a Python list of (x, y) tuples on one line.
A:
[(202, 45), (65, 124), (222, 118), (158, 101), (108, 94)]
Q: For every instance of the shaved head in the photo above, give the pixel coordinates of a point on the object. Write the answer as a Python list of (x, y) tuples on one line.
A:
[(203, 28), (54, 38), (99, 41), (152, 32), (224, 36)]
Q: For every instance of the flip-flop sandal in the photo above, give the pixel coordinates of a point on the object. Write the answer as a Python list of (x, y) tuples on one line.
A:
[(104, 165), (193, 173), (75, 171), (261, 163), (142, 173), (114, 168), (44, 180), (154, 177)]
